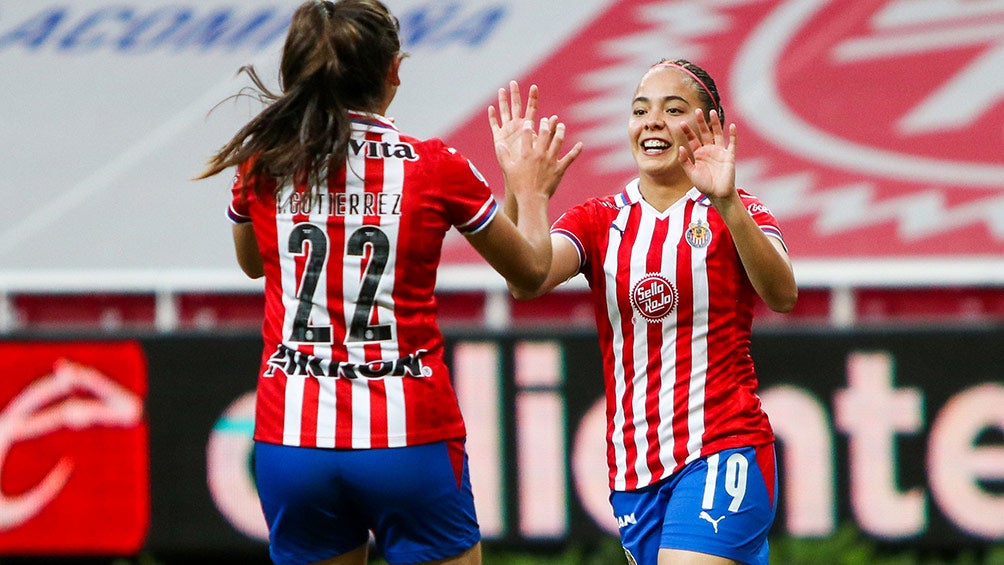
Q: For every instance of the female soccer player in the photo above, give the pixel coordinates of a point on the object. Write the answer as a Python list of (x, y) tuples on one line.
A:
[(357, 427), (675, 262)]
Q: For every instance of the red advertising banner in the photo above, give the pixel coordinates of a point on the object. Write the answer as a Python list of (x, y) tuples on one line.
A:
[(872, 129), (74, 454)]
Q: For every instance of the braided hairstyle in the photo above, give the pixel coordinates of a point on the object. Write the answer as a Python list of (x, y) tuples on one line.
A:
[(703, 83)]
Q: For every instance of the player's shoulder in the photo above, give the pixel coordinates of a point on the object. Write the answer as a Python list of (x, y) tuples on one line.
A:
[(597, 210), (432, 146), (609, 204), (449, 161), (752, 203)]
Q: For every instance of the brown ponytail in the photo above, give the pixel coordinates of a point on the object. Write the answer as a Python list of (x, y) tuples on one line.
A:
[(336, 58)]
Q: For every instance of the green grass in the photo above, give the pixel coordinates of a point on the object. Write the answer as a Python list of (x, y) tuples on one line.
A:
[(847, 546)]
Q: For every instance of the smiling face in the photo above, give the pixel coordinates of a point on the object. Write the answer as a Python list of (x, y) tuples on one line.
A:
[(665, 97)]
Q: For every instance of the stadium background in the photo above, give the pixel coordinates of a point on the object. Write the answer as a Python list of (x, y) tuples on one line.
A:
[(873, 129)]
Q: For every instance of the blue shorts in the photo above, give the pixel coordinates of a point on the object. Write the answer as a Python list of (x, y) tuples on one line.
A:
[(722, 504), (320, 503)]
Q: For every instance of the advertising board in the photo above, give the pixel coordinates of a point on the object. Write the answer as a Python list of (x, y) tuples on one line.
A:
[(898, 432)]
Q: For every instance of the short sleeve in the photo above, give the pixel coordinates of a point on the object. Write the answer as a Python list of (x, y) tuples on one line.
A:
[(762, 216), (239, 212), (573, 225), (469, 202)]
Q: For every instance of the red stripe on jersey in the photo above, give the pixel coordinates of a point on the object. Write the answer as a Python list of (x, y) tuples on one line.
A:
[(343, 413), (684, 343), (378, 413), (374, 184), (766, 460), (269, 410), (623, 279), (654, 331), (336, 236), (308, 421), (605, 334)]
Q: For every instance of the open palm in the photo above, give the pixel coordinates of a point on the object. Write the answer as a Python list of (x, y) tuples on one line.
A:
[(707, 156), (507, 121)]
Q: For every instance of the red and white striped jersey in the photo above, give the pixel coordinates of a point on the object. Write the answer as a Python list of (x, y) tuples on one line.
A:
[(674, 311), (353, 357)]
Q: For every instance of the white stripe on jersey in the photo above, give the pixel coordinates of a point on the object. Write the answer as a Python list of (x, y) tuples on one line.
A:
[(699, 341), (637, 269), (352, 279), (294, 410), (320, 316), (397, 431), (667, 393), (614, 314), (361, 414), (352, 265)]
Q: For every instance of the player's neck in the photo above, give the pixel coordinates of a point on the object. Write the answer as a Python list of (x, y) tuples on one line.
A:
[(661, 195)]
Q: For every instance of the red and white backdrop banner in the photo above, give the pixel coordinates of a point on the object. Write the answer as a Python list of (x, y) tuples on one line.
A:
[(871, 128)]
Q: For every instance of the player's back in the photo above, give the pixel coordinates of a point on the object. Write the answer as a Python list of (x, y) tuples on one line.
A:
[(350, 271)]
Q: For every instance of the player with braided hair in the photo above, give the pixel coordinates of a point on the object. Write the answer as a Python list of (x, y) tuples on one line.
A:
[(675, 262)]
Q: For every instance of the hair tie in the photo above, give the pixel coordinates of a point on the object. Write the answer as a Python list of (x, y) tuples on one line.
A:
[(323, 6), (711, 97)]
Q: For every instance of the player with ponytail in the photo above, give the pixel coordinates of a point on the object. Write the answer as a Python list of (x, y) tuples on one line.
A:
[(357, 426)]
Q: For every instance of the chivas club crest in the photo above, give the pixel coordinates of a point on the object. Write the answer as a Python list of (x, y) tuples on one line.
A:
[(698, 234)]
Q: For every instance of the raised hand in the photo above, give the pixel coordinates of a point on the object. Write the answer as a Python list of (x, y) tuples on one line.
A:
[(531, 159), (707, 156), (528, 153), (507, 120)]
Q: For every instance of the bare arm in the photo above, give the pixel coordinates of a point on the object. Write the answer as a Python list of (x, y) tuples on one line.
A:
[(564, 265), (709, 159), (764, 258), (520, 253), (518, 246), (510, 133), (246, 248)]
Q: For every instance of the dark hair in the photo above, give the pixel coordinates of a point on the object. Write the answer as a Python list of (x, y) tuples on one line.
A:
[(707, 90), (336, 58)]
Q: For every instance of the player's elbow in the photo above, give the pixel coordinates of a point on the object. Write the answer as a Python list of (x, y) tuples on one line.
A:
[(253, 267), (525, 293), (254, 273), (527, 283), (784, 302)]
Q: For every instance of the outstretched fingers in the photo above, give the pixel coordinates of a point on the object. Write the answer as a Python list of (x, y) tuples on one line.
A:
[(566, 160), (508, 119), (552, 139), (703, 129), (687, 141), (532, 100), (716, 128), (493, 119), (733, 139), (511, 103)]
